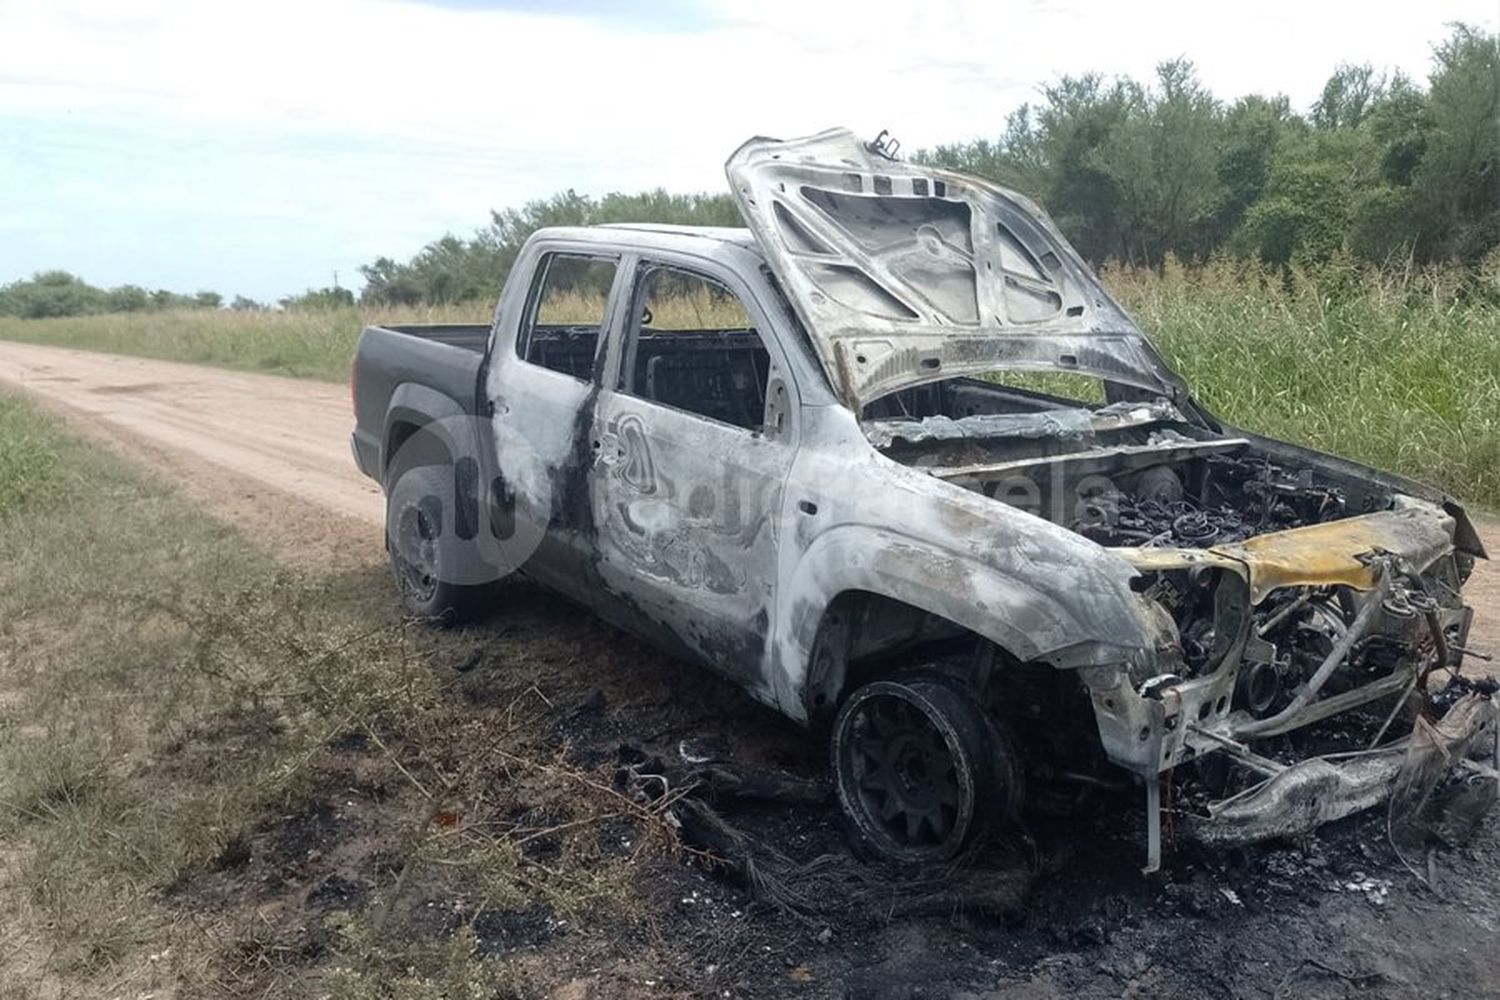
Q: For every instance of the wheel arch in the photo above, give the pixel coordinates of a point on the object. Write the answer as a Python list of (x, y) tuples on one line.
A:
[(896, 582), (418, 428)]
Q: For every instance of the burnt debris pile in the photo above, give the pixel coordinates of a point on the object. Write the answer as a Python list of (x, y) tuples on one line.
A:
[(992, 878)]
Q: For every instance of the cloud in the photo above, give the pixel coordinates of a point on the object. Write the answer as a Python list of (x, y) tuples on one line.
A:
[(316, 134)]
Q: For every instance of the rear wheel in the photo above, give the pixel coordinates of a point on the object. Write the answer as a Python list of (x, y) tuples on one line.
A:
[(920, 770), (433, 570)]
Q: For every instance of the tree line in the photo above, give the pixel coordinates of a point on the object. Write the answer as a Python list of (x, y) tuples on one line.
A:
[(453, 269), (1380, 169), (60, 293)]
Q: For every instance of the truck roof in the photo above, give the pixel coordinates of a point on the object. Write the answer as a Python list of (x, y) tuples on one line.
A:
[(721, 234), (724, 243)]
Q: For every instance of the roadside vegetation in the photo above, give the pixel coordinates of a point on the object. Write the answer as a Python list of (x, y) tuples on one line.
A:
[(1380, 167), (221, 777), (61, 293), (303, 343), (1398, 368)]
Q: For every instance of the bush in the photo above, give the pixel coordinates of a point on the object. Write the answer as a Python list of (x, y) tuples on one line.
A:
[(58, 293), (320, 298)]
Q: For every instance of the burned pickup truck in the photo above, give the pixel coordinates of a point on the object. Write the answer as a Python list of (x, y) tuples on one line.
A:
[(894, 461)]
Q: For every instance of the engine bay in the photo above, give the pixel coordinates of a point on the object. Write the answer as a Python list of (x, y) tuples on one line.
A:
[(1238, 497), (1130, 473), (1140, 474)]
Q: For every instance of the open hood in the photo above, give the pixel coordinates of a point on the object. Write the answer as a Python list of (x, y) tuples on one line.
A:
[(906, 274)]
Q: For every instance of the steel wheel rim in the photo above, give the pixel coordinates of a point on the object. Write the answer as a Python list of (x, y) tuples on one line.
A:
[(904, 773), (417, 551)]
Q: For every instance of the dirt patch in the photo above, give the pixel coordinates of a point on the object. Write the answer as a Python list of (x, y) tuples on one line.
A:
[(268, 454), (1483, 594), (127, 389), (281, 473)]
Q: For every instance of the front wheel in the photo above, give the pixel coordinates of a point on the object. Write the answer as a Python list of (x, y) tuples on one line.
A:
[(920, 770)]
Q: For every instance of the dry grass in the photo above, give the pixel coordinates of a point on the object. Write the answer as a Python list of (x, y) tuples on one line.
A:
[(304, 344), (168, 696)]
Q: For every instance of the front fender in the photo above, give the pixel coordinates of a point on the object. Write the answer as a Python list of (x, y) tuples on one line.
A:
[(1074, 613)]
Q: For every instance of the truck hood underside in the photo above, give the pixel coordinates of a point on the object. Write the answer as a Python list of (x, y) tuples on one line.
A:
[(906, 274)]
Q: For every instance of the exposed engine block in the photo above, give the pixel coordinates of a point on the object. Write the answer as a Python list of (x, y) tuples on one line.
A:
[(1240, 499)]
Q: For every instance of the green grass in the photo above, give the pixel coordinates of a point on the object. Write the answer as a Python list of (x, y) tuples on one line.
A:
[(96, 674), (1398, 370), (34, 463)]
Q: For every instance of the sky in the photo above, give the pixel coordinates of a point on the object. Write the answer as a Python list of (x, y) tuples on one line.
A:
[(260, 148)]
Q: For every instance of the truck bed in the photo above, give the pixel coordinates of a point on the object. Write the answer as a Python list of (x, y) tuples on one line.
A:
[(441, 357), (469, 336)]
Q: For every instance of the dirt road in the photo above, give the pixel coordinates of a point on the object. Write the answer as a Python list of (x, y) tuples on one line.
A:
[(246, 444), (271, 454)]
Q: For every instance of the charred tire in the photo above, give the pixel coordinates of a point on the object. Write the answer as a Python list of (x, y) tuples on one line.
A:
[(920, 770), (433, 565)]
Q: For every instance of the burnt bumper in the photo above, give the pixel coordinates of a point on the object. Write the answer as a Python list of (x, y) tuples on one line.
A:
[(1302, 796)]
